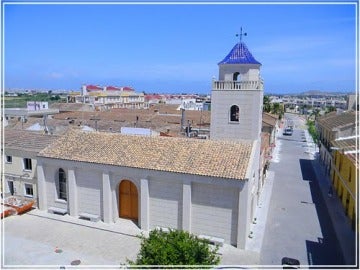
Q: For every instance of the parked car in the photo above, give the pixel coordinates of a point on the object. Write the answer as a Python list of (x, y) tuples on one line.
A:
[(288, 131), (290, 263)]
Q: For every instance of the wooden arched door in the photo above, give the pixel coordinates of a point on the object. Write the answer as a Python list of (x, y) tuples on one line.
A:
[(128, 200)]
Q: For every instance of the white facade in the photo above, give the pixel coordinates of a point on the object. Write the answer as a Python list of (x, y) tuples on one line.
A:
[(37, 105), (103, 98), (19, 153), (212, 206), (20, 179)]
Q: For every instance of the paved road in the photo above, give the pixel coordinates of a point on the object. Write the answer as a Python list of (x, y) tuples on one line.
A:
[(298, 223)]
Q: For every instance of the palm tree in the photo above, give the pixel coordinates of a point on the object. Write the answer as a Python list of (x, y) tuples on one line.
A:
[(266, 104), (278, 109)]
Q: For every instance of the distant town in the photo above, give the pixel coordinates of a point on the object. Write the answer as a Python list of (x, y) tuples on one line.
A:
[(105, 97)]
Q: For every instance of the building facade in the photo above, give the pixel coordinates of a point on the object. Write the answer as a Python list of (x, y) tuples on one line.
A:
[(104, 98), (20, 151), (345, 167), (202, 186), (330, 127), (236, 105)]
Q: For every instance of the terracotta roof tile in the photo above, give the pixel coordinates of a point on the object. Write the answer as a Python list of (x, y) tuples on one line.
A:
[(198, 157), (333, 120), (27, 140)]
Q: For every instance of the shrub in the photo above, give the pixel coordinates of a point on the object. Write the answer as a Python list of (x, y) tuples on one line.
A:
[(175, 248), (312, 130)]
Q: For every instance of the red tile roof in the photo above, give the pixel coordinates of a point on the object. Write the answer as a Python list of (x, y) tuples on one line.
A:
[(93, 88), (127, 88), (113, 88), (151, 97)]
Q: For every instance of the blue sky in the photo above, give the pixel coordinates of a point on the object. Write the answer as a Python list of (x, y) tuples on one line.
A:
[(176, 47)]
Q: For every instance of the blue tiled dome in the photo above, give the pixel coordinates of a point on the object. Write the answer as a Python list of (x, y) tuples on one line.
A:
[(240, 54)]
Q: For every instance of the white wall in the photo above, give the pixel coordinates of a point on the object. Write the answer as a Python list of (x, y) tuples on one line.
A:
[(88, 191), (214, 211), (250, 114), (213, 202), (165, 204), (247, 72), (16, 173)]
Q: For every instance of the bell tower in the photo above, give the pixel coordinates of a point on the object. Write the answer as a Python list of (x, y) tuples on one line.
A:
[(237, 97)]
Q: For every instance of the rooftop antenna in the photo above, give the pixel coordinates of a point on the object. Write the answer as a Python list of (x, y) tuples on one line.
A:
[(241, 34)]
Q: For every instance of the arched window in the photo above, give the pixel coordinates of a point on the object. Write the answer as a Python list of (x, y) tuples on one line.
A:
[(236, 76), (62, 185), (234, 113)]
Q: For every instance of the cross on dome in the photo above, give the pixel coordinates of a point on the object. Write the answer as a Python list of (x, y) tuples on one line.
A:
[(241, 34)]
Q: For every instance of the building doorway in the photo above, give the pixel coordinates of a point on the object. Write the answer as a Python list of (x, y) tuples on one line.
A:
[(128, 200)]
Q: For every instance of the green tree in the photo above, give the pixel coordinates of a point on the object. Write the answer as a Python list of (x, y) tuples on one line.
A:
[(277, 109), (330, 109), (266, 104), (312, 130), (315, 113), (175, 247)]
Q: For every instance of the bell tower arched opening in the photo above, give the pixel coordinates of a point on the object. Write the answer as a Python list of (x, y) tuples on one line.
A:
[(236, 76), (234, 113)]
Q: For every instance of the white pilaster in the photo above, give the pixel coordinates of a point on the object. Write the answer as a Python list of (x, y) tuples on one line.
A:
[(106, 198), (243, 216), (72, 191), (144, 205), (186, 211), (41, 185)]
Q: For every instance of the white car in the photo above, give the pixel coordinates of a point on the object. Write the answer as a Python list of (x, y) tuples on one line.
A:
[(288, 131)]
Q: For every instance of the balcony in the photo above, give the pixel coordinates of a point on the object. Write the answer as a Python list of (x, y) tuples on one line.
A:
[(238, 85)]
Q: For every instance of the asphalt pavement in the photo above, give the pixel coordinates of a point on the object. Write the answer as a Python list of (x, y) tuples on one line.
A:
[(299, 224)]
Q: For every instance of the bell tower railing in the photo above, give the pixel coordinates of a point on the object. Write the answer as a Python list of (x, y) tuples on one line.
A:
[(238, 85)]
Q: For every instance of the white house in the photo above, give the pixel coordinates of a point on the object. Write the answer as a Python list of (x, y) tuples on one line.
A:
[(19, 152), (37, 105)]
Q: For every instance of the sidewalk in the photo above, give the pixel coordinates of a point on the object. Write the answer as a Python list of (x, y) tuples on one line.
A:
[(33, 238), (257, 228), (261, 212), (344, 233), (342, 227)]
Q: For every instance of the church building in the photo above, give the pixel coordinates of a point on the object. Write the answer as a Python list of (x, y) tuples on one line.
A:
[(206, 187)]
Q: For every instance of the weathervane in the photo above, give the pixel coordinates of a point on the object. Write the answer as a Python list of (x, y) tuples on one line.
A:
[(241, 34)]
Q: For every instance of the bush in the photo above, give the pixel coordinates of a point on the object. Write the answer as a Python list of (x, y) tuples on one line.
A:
[(175, 248), (312, 130)]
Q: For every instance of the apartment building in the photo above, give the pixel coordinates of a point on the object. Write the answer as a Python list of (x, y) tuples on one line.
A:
[(317, 102), (109, 97)]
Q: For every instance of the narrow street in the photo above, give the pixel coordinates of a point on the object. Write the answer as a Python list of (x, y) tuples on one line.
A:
[(298, 223)]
